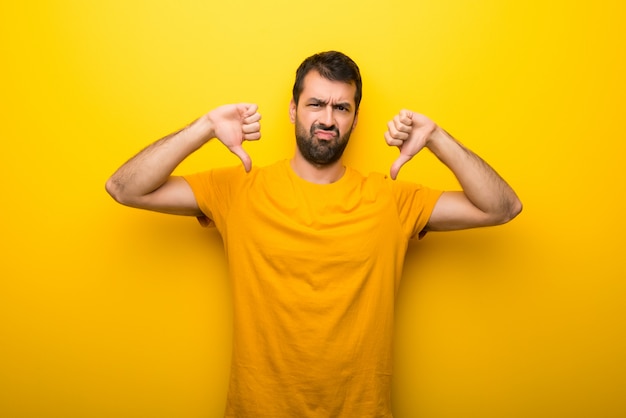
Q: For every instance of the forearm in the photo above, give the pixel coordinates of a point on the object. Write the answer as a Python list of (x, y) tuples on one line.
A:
[(481, 184), (151, 167)]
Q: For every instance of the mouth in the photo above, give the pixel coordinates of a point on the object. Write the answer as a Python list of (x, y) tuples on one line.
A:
[(325, 135)]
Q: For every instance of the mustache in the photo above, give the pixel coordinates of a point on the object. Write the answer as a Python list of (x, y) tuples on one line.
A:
[(320, 127)]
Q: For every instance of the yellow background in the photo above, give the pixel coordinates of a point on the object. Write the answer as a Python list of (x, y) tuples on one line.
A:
[(107, 311)]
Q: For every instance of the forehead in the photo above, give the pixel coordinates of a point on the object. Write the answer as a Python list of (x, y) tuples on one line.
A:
[(318, 87)]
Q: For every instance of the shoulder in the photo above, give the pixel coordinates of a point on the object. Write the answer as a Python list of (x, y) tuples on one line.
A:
[(400, 190), (224, 176)]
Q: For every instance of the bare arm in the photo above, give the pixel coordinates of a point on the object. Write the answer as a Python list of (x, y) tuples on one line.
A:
[(145, 181), (486, 199)]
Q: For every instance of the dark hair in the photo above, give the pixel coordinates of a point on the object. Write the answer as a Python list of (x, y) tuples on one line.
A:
[(331, 65)]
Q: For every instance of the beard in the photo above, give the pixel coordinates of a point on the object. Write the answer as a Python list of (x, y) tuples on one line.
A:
[(317, 151)]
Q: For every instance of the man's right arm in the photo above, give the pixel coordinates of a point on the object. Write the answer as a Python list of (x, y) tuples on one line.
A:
[(146, 180)]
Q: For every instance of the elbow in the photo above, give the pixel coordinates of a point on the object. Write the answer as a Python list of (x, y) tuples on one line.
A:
[(510, 211), (115, 190), (112, 189), (122, 195), (517, 208)]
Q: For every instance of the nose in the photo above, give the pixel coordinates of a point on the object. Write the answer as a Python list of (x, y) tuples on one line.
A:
[(326, 118)]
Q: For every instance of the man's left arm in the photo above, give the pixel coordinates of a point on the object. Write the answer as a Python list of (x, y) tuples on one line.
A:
[(486, 199)]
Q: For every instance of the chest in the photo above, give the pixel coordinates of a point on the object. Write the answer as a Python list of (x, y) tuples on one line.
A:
[(348, 226)]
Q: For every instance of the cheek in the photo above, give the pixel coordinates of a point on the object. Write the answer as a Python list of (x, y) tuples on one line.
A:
[(347, 124), (301, 128), (306, 120)]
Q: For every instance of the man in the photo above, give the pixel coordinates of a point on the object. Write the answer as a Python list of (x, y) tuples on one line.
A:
[(315, 250)]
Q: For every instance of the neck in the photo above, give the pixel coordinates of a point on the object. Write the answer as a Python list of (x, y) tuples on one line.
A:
[(319, 174)]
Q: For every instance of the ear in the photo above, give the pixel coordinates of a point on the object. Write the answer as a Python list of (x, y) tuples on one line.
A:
[(292, 111)]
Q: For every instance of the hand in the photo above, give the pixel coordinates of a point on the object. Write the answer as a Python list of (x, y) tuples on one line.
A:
[(235, 123), (410, 132)]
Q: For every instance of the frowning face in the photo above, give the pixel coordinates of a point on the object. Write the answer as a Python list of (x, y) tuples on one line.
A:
[(324, 118)]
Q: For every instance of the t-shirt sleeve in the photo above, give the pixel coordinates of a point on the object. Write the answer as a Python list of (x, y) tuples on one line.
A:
[(213, 191), (415, 205)]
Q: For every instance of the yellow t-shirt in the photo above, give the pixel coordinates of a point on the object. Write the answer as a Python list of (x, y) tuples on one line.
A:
[(314, 271)]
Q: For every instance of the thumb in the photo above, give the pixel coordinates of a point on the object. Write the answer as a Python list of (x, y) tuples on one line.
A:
[(243, 156), (397, 165)]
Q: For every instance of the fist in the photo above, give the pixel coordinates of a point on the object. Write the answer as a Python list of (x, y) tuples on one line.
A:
[(235, 123), (410, 132)]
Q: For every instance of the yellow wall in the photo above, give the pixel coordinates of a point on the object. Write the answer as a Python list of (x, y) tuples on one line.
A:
[(110, 312)]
